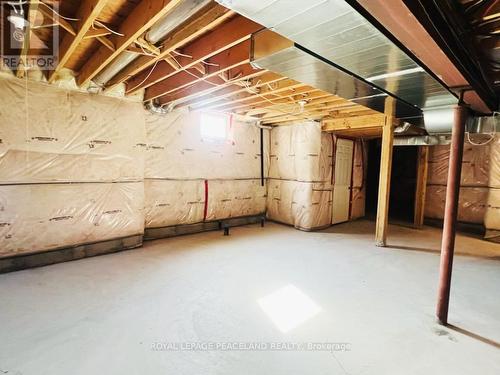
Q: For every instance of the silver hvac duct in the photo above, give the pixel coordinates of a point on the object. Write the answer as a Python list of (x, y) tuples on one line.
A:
[(334, 33), (158, 31)]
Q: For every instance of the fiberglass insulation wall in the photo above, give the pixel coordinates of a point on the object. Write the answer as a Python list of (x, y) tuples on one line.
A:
[(299, 185), (71, 167), (479, 201), (182, 169)]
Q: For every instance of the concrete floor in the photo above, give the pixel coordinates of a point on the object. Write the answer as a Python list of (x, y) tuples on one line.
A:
[(103, 315)]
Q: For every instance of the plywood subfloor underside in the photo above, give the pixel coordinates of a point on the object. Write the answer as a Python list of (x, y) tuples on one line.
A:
[(101, 315)]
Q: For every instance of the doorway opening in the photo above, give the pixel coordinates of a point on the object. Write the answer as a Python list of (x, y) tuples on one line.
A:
[(403, 182)]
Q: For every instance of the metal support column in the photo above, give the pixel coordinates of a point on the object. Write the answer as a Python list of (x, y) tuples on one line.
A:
[(451, 212)]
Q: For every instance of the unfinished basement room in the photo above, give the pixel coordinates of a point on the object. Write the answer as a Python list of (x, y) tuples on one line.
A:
[(232, 187)]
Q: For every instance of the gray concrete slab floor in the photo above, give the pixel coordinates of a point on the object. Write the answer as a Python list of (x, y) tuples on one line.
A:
[(145, 311)]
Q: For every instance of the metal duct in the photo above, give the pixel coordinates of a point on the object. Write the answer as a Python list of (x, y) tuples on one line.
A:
[(423, 140), (335, 32), (439, 119), (275, 53), (158, 31)]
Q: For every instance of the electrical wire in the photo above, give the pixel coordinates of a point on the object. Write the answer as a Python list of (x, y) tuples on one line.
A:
[(107, 28), (145, 79), (59, 14)]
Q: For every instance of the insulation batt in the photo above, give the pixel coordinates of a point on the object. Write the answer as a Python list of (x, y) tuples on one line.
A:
[(39, 217), (480, 184), (71, 168), (175, 191), (299, 185), (53, 135)]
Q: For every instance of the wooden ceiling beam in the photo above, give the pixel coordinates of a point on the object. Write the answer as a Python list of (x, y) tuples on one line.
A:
[(205, 92), (244, 99), (210, 18), (226, 36), (236, 56), (257, 102), (358, 122), (48, 12), (312, 104), (87, 13), (142, 17)]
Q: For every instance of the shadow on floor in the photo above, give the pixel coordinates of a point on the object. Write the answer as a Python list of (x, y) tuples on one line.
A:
[(474, 335)]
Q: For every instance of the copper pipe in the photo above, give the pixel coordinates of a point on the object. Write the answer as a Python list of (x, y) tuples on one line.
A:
[(451, 212)]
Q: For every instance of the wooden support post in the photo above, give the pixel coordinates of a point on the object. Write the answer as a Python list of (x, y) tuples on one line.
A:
[(421, 186), (451, 213), (384, 184)]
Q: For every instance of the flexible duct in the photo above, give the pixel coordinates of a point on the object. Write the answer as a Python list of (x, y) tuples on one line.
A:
[(158, 31)]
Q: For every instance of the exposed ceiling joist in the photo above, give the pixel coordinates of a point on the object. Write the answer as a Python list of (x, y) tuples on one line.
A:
[(206, 92), (209, 46), (225, 60), (144, 15), (87, 13), (210, 18)]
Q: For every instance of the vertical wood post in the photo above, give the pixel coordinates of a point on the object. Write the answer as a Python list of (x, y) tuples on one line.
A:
[(384, 184), (421, 186), (451, 213)]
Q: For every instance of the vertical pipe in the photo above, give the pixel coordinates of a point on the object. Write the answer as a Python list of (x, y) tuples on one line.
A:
[(451, 212), (262, 156)]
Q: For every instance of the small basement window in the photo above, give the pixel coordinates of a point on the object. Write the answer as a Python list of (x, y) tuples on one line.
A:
[(214, 126)]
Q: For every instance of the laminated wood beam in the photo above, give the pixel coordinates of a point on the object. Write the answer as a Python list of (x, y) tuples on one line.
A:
[(87, 14), (421, 188), (142, 17), (359, 122), (211, 17), (225, 37), (236, 56)]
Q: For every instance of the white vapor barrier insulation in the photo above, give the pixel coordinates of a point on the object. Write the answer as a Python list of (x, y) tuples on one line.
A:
[(480, 183), (40, 217), (48, 134), (471, 206), (227, 199), (360, 167), (179, 160), (71, 167), (176, 150), (299, 188), (172, 202)]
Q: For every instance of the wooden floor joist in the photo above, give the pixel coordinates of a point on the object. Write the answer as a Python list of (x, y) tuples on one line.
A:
[(236, 56), (208, 20), (204, 49), (87, 13), (203, 93), (144, 15)]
